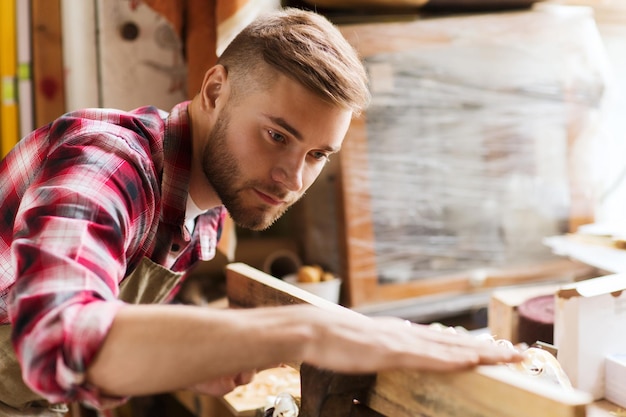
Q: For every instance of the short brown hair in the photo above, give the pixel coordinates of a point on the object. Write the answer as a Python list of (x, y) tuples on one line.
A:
[(305, 46)]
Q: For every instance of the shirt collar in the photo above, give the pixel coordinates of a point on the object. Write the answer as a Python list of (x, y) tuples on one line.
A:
[(177, 149), (191, 212)]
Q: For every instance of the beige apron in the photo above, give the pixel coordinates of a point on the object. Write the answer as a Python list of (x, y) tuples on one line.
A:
[(149, 283)]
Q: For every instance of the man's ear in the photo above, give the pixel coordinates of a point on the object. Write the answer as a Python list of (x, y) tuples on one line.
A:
[(215, 88)]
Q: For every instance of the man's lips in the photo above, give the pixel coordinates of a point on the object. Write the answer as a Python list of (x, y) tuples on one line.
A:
[(268, 198)]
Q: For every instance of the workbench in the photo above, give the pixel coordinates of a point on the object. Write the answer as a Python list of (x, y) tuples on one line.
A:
[(486, 391)]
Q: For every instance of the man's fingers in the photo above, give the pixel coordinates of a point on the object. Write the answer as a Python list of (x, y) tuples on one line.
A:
[(449, 349), (244, 378)]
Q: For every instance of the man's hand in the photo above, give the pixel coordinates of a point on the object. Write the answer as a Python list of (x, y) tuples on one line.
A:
[(353, 344)]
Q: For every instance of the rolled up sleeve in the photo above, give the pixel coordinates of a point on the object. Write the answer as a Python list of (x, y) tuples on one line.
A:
[(73, 235)]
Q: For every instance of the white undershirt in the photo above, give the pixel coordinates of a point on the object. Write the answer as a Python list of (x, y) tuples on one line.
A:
[(191, 213)]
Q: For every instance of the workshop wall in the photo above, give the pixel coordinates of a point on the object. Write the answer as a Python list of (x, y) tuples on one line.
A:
[(497, 122)]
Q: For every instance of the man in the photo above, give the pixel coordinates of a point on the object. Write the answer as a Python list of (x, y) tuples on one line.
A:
[(102, 206)]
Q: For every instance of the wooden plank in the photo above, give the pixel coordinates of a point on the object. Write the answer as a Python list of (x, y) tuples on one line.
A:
[(47, 61), (486, 391), (356, 235), (248, 287), (467, 281)]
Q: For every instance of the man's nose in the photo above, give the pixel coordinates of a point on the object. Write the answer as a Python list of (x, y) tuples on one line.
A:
[(289, 173)]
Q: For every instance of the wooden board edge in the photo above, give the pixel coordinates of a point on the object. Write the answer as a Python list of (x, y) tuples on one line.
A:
[(464, 393), (249, 287)]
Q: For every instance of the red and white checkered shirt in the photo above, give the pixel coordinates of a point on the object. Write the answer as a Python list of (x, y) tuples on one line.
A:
[(84, 199)]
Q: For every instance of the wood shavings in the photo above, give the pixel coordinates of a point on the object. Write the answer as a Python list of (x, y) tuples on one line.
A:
[(263, 390)]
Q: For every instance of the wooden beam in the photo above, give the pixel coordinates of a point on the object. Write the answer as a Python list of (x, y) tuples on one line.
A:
[(248, 287), (47, 61), (486, 391)]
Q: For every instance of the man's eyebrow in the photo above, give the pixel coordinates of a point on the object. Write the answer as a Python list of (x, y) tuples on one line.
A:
[(285, 125)]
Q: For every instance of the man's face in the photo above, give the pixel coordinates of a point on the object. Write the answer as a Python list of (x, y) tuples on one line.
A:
[(266, 150)]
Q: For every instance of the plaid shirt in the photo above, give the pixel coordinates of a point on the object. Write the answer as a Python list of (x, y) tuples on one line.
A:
[(84, 199)]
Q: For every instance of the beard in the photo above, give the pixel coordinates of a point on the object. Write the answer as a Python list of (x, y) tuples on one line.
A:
[(224, 173)]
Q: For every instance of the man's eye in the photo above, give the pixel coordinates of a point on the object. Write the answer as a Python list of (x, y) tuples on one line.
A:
[(321, 156), (277, 137)]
